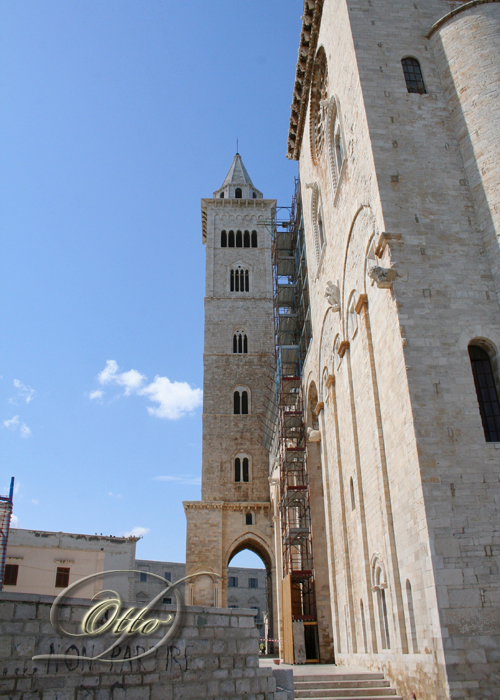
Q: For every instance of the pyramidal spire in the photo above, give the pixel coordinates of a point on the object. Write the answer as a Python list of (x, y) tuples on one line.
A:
[(238, 183)]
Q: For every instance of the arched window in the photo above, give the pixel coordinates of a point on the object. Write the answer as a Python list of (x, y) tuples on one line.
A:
[(411, 615), (238, 239), (241, 469), (240, 343), (239, 280), (246, 241), (486, 392), (320, 230), (254, 195), (249, 519), (223, 239), (339, 150), (379, 586), (237, 193), (254, 239), (413, 75), (353, 499), (221, 196), (240, 401), (231, 239)]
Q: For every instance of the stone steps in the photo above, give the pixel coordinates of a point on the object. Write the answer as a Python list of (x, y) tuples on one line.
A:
[(343, 686)]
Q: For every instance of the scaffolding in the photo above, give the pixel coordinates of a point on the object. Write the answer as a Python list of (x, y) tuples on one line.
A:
[(5, 517), (284, 428)]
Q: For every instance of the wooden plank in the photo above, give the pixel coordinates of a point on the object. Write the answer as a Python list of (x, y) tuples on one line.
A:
[(286, 612)]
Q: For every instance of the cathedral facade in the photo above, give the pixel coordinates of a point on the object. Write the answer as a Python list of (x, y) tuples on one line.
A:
[(380, 530)]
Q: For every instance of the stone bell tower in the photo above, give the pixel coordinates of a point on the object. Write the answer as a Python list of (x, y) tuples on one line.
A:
[(234, 513)]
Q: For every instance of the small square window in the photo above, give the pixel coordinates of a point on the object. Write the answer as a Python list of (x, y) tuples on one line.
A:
[(62, 577), (10, 574), (168, 575), (167, 601), (143, 576), (253, 582), (232, 582)]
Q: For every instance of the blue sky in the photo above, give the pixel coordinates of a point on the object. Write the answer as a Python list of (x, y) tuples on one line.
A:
[(116, 118)]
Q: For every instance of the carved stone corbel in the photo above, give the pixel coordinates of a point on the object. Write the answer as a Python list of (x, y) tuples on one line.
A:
[(382, 276), (313, 435)]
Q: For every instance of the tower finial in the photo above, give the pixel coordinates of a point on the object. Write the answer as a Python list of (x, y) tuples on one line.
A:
[(237, 151)]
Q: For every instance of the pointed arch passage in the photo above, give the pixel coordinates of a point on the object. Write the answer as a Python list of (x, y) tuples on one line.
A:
[(231, 239), (246, 239), (238, 193), (239, 240)]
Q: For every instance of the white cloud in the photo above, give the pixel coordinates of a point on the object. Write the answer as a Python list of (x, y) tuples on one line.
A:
[(131, 380), (174, 398), (14, 521), (137, 532), (186, 479), (115, 495), (12, 423), (26, 392), (24, 431)]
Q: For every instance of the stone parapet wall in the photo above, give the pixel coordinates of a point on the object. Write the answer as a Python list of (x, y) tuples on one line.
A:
[(215, 655)]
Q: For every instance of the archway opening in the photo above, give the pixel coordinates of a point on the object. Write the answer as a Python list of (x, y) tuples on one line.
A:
[(250, 585)]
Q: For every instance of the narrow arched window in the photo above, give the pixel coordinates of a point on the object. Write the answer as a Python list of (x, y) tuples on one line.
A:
[(237, 193), (320, 230), (246, 239), (248, 519), (221, 196), (486, 392), (245, 469), (411, 615), (353, 499), (231, 239), (339, 151), (232, 280), (240, 343), (244, 403), (247, 281), (236, 403), (254, 195), (254, 239), (237, 281), (223, 239), (237, 469), (238, 239), (413, 75)]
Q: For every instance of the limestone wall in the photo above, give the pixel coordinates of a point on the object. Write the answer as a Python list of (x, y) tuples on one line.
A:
[(214, 656)]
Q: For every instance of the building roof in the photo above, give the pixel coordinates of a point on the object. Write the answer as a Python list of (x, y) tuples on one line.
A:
[(237, 174), (311, 21)]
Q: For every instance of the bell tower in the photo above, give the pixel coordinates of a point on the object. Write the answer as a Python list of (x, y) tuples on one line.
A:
[(234, 513)]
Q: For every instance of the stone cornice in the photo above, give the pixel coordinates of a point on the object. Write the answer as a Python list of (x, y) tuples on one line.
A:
[(466, 6), (226, 505), (311, 21)]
